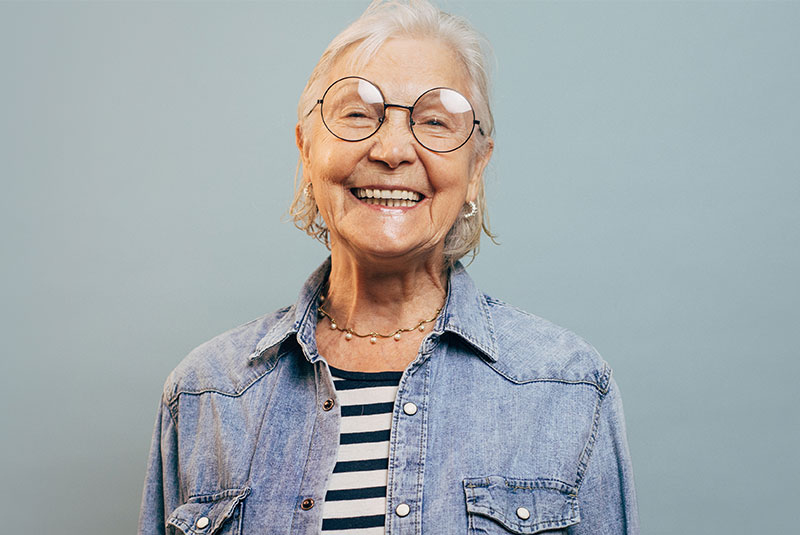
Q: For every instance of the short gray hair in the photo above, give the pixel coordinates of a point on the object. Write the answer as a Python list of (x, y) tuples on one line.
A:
[(382, 20)]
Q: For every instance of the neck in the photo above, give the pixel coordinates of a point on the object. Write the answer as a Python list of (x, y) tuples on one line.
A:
[(384, 295)]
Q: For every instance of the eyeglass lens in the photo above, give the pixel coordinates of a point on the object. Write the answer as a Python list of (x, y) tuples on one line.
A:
[(442, 119)]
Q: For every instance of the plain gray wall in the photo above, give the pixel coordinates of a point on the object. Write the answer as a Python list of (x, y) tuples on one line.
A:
[(644, 187)]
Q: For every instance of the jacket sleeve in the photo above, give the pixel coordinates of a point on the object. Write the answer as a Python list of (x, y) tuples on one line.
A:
[(606, 498), (161, 493)]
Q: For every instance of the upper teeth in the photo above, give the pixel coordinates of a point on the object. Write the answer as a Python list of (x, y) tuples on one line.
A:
[(362, 193)]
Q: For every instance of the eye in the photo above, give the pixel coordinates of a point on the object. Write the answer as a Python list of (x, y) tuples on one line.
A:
[(357, 112), (433, 122)]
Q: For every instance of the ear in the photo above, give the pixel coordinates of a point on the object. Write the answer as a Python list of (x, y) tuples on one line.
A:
[(481, 161), (302, 146)]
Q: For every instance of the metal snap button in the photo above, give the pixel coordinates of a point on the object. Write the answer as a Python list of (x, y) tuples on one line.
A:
[(307, 504), (328, 404), (523, 513), (410, 409), (202, 522), (402, 510)]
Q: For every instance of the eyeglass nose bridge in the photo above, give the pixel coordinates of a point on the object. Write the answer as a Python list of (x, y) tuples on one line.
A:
[(410, 115)]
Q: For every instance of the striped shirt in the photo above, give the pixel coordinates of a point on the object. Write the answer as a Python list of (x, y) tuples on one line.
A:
[(356, 498)]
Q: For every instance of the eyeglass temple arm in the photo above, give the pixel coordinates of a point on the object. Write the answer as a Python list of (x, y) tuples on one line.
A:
[(319, 101)]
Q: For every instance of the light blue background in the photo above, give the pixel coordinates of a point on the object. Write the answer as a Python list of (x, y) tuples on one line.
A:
[(644, 187)]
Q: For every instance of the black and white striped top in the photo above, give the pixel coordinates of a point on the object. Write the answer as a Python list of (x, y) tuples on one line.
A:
[(356, 498)]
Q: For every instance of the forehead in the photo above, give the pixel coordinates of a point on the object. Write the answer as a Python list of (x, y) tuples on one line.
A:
[(404, 68)]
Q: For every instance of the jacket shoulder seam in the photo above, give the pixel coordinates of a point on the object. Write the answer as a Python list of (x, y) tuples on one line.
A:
[(601, 386), (601, 370), (177, 391)]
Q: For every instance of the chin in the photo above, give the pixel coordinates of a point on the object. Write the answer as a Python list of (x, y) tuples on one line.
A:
[(396, 252)]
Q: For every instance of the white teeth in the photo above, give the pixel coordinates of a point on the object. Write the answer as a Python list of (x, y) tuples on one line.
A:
[(385, 197), (390, 203)]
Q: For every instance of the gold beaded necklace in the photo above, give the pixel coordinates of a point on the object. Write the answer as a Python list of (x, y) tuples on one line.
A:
[(373, 336)]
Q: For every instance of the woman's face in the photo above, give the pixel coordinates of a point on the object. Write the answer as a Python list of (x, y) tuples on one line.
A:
[(341, 171)]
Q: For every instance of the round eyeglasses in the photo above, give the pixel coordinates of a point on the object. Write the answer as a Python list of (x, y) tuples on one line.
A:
[(441, 119)]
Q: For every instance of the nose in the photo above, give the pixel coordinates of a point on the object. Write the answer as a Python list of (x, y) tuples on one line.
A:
[(394, 143)]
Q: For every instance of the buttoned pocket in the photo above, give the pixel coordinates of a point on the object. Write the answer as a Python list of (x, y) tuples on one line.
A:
[(210, 514), (499, 505)]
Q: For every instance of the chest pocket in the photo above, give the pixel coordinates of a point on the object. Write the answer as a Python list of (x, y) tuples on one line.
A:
[(497, 506), (210, 514)]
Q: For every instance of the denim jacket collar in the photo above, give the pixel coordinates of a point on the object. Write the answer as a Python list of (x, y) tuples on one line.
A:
[(466, 314)]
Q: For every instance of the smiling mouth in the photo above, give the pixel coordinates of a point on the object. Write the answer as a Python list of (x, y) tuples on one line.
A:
[(387, 197)]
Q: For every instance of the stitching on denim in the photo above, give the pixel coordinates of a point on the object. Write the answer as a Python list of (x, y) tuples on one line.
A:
[(559, 485), (602, 381), (208, 497), (469, 497), (453, 328), (238, 515), (551, 484), (167, 405), (317, 416), (257, 378), (583, 460), (392, 466), (547, 483), (259, 353), (231, 506), (548, 380), (423, 443), (490, 322), (311, 303), (282, 315), (178, 523), (605, 379), (238, 496), (261, 427), (499, 516), (491, 351)]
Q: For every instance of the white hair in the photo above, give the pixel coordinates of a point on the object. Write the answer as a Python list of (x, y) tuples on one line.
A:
[(381, 21)]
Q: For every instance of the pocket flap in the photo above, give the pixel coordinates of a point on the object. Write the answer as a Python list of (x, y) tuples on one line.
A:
[(203, 515), (522, 505)]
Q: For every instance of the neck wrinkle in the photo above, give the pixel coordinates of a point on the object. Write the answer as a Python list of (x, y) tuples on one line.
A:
[(368, 298)]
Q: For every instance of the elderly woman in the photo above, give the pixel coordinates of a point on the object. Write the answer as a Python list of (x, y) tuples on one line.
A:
[(393, 396)]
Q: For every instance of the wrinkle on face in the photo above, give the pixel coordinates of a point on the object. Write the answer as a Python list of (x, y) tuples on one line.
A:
[(403, 69)]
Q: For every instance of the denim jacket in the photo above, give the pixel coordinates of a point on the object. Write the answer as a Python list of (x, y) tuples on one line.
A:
[(518, 429)]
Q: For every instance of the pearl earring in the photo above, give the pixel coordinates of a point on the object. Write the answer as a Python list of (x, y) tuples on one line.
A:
[(473, 210)]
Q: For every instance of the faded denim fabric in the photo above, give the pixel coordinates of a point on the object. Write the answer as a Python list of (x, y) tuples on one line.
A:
[(519, 429)]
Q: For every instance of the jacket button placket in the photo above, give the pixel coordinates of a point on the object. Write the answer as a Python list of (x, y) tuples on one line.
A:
[(321, 459), (406, 463)]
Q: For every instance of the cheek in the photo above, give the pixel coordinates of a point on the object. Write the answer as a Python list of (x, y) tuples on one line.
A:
[(450, 179), (332, 163)]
